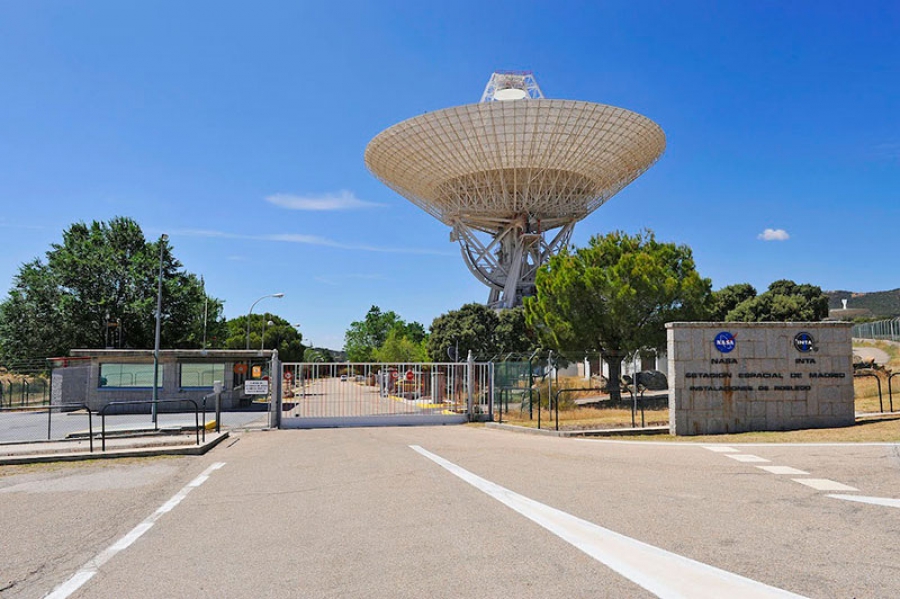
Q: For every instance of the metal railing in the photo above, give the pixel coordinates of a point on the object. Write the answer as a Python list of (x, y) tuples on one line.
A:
[(27, 424), (37, 424), (114, 404)]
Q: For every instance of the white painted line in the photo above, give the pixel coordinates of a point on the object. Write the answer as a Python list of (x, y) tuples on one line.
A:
[(721, 449), (745, 457), (823, 484), (665, 574), (88, 570), (885, 501), (783, 470)]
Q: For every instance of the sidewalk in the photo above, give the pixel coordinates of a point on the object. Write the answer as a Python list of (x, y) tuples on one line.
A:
[(135, 444)]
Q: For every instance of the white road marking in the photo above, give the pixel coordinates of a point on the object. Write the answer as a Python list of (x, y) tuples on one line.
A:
[(665, 574), (782, 470), (885, 501), (745, 457), (88, 570), (824, 484), (721, 449)]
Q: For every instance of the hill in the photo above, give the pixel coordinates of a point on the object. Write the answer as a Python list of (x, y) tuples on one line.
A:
[(881, 304)]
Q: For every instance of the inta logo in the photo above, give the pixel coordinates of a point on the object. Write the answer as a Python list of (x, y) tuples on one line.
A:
[(804, 342)]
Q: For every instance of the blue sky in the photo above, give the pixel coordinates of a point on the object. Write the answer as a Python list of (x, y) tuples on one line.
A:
[(214, 121)]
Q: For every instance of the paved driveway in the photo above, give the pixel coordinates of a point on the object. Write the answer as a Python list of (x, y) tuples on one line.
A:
[(458, 512)]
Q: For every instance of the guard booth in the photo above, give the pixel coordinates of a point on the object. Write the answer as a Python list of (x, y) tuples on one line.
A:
[(95, 377)]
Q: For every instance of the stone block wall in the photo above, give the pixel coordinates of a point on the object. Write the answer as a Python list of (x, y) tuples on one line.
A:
[(738, 377)]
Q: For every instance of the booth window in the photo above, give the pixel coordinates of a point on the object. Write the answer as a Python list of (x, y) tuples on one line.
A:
[(201, 374), (128, 375)]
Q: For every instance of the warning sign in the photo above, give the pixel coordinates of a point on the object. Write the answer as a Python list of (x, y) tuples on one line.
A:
[(257, 371), (256, 387)]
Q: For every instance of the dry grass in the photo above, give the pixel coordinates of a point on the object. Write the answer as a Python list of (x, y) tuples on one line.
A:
[(864, 431), (572, 417), (866, 388), (588, 418)]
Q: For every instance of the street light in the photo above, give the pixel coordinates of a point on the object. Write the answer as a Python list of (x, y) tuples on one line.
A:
[(155, 405), (262, 341), (253, 305)]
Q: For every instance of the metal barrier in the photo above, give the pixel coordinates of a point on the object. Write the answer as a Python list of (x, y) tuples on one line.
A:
[(24, 424), (890, 392), (877, 380), (103, 415), (331, 394)]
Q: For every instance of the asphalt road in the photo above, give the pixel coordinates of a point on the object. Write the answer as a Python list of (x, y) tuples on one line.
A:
[(457, 512)]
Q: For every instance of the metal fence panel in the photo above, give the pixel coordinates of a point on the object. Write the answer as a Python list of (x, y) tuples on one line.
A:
[(882, 329), (23, 391), (333, 394)]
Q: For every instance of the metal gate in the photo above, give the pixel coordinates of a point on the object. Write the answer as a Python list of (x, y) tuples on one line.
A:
[(318, 394)]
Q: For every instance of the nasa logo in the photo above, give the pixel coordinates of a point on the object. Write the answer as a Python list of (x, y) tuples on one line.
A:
[(804, 342), (724, 342)]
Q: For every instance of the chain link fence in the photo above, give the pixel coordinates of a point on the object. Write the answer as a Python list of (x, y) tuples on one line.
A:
[(888, 330)]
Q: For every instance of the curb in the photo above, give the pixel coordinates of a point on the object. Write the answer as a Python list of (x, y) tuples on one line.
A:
[(608, 432), (131, 452)]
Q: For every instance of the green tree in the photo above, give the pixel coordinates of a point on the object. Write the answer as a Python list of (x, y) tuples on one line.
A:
[(784, 301), (399, 347), (366, 337), (727, 299), (615, 296), (469, 328), (31, 321), (280, 335), (98, 288), (513, 335)]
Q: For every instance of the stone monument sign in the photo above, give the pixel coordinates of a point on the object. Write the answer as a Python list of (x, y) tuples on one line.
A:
[(737, 377)]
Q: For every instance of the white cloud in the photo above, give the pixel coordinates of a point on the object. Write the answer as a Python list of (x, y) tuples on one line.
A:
[(343, 200), (774, 235), (307, 240)]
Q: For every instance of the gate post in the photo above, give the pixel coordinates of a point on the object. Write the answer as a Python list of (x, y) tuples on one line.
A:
[(275, 403), (470, 386)]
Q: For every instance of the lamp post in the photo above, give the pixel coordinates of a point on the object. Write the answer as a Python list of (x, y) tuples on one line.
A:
[(253, 305), (262, 341), (155, 405)]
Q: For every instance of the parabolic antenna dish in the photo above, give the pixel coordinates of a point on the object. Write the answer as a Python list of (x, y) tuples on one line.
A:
[(554, 160), (514, 170)]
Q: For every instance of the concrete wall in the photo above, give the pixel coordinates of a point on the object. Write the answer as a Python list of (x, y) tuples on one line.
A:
[(69, 385), (759, 376)]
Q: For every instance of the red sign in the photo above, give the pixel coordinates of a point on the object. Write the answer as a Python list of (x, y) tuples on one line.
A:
[(410, 375), (288, 375), (240, 368)]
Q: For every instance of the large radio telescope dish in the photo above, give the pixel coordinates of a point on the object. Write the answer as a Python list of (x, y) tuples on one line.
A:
[(512, 174)]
